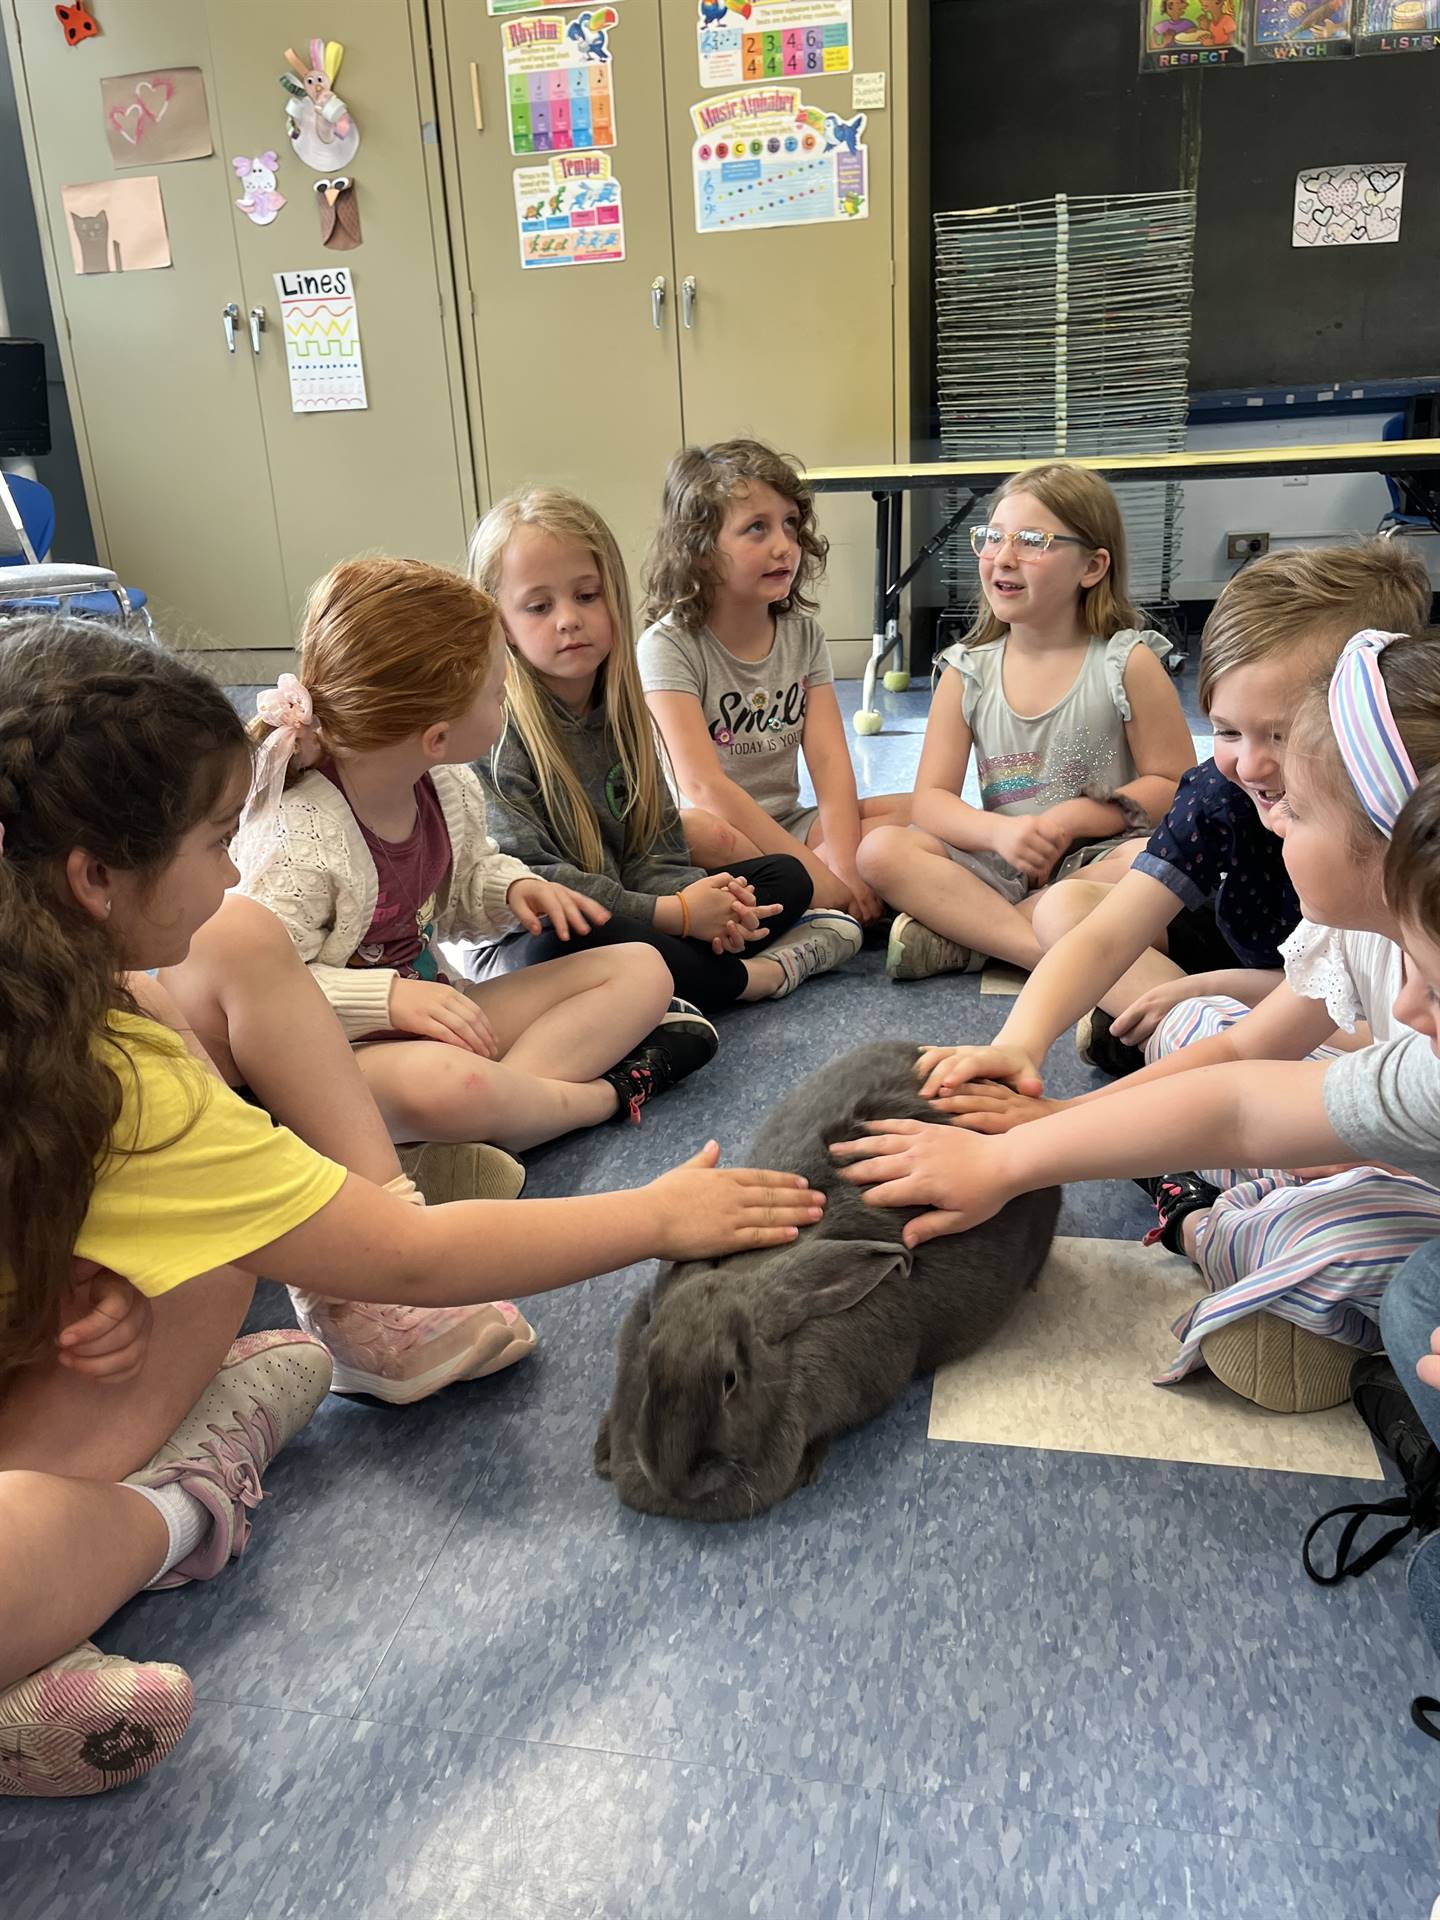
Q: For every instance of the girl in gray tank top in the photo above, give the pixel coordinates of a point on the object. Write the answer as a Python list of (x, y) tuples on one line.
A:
[(1077, 733)]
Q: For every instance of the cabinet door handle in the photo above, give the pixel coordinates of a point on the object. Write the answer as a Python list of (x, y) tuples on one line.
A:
[(475, 97), (657, 301), (257, 326), (687, 299), (229, 314)]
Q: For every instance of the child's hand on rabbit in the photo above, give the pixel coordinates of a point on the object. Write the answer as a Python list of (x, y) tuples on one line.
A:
[(943, 1070), (703, 1210)]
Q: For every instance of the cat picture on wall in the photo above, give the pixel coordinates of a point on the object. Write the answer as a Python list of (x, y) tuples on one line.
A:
[(116, 226), (93, 233)]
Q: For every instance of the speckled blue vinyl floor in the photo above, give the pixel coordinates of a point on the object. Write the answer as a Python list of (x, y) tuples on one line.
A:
[(453, 1677)]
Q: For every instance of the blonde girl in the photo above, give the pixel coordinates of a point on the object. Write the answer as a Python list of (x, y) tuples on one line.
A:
[(376, 848), (738, 676), (122, 774), (1076, 728), (575, 788)]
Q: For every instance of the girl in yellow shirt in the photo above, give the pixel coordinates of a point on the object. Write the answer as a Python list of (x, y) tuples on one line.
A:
[(135, 1429)]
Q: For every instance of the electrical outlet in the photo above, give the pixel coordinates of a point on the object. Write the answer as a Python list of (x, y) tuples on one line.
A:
[(1246, 546)]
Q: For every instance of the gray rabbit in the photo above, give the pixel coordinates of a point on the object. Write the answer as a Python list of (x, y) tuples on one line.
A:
[(734, 1375)]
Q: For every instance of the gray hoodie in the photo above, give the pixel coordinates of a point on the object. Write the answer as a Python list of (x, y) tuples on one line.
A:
[(632, 877)]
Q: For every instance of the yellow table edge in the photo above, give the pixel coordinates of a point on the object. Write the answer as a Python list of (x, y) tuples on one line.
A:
[(1378, 456)]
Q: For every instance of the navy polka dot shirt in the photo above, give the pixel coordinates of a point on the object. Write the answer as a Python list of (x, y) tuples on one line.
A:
[(1212, 848)]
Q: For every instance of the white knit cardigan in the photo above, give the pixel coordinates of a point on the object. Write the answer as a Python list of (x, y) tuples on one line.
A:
[(321, 881)]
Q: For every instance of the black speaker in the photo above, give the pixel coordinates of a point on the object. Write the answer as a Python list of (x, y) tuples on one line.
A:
[(24, 400)]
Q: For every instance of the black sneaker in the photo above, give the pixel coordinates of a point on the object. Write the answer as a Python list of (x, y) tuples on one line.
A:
[(1098, 1047), (683, 1041), (1175, 1195)]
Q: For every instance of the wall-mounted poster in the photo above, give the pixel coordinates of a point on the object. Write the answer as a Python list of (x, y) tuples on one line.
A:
[(322, 341), (156, 116), (569, 211), (763, 158), (1397, 26), (558, 86), (1351, 206), (1300, 30), (773, 40), (1179, 35), (117, 226)]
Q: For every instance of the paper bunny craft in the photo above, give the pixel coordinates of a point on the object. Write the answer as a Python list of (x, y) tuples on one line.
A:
[(321, 125), (260, 201)]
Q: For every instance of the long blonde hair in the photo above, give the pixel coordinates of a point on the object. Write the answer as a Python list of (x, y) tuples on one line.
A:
[(388, 648), (1088, 508), (700, 483), (532, 710)]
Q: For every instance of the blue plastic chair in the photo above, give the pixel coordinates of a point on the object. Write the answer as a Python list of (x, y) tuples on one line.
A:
[(35, 505)]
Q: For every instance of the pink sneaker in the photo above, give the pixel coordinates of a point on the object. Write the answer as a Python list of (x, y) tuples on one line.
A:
[(265, 1391), (89, 1721), (401, 1354)]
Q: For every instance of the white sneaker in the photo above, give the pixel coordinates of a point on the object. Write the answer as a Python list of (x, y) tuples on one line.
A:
[(818, 941)]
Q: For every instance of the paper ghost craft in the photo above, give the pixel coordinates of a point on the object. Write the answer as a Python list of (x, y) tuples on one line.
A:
[(261, 202), (78, 22), (339, 214), (321, 125)]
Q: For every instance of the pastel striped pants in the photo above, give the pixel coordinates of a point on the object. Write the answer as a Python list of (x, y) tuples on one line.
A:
[(1319, 1253)]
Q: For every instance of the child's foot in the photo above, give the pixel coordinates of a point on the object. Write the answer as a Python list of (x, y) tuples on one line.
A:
[(89, 1721), (403, 1354), (917, 952), (1279, 1366), (465, 1170), (1098, 1047), (268, 1386), (819, 940), (1176, 1196), (683, 1041)]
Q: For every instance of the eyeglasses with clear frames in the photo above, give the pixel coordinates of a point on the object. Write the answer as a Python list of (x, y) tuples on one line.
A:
[(1029, 542)]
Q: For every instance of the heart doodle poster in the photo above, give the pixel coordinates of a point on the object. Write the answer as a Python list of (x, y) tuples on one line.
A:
[(1352, 206), (155, 117)]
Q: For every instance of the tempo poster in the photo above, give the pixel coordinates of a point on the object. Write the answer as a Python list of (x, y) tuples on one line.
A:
[(569, 212)]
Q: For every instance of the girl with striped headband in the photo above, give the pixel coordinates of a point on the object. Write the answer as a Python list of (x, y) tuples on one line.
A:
[(1295, 1264)]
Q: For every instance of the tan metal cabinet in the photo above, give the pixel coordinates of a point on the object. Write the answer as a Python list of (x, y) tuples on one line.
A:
[(790, 333), (205, 488)]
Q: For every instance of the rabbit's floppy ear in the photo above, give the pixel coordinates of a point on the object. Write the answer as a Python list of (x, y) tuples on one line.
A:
[(825, 1277)]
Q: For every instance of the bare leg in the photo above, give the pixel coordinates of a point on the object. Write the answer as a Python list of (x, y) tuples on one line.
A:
[(251, 1002), (715, 844), (1061, 907), (573, 1017), (913, 872), (77, 1545)]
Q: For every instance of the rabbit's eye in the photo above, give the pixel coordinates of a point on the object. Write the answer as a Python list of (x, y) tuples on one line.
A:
[(730, 1382)]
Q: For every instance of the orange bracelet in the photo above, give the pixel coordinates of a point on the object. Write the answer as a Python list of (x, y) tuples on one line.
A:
[(684, 915)]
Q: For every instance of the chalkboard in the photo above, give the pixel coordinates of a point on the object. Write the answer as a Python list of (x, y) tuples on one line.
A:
[(1034, 97)]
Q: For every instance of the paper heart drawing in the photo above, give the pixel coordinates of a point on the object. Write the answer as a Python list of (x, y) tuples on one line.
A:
[(156, 116), (1350, 206), (147, 109)]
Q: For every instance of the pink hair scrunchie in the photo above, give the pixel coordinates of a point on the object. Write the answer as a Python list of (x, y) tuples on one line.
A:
[(288, 710)]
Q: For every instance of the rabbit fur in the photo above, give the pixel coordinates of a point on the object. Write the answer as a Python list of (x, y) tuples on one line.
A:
[(733, 1375)]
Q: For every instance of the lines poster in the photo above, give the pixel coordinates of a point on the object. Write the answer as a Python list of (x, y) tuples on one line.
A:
[(322, 341)]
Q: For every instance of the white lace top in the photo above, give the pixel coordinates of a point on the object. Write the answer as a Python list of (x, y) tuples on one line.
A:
[(1357, 975), (322, 883)]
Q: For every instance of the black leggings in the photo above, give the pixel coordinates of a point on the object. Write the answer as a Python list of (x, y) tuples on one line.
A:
[(711, 980)]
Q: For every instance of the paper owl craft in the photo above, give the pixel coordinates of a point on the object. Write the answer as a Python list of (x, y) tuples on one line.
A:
[(339, 214)]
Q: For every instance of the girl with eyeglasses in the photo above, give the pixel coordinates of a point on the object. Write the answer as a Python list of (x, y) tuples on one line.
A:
[(1077, 733)]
